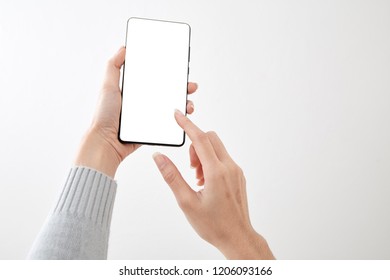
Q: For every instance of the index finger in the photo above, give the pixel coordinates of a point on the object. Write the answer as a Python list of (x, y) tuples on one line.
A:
[(200, 140)]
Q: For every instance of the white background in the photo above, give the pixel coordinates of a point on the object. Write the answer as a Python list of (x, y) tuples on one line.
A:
[(299, 92)]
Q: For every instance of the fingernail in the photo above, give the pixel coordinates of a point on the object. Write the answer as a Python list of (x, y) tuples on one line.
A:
[(178, 112), (120, 48), (192, 106), (159, 159)]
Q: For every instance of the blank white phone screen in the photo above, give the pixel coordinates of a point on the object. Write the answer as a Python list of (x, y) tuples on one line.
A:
[(154, 81)]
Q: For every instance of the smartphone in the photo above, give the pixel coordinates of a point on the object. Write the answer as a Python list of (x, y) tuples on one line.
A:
[(154, 82)]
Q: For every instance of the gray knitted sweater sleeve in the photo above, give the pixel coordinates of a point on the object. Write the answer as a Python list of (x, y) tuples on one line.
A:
[(78, 227)]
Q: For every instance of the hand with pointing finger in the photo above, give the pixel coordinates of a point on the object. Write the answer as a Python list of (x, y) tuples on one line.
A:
[(219, 212)]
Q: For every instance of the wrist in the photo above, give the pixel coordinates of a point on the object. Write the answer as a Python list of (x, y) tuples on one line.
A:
[(247, 246), (97, 153)]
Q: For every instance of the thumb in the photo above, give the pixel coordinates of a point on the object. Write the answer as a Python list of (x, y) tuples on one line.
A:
[(113, 69), (185, 196)]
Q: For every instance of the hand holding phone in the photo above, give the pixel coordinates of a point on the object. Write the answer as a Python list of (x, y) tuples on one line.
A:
[(100, 148)]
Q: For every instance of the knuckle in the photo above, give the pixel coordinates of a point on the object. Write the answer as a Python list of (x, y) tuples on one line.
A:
[(224, 172), (201, 137), (236, 170), (211, 133), (185, 203), (169, 176), (227, 171), (220, 172), (240, 172), (186, 122)]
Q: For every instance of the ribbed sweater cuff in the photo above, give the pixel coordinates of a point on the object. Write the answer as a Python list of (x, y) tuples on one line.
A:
[(89, 194)]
